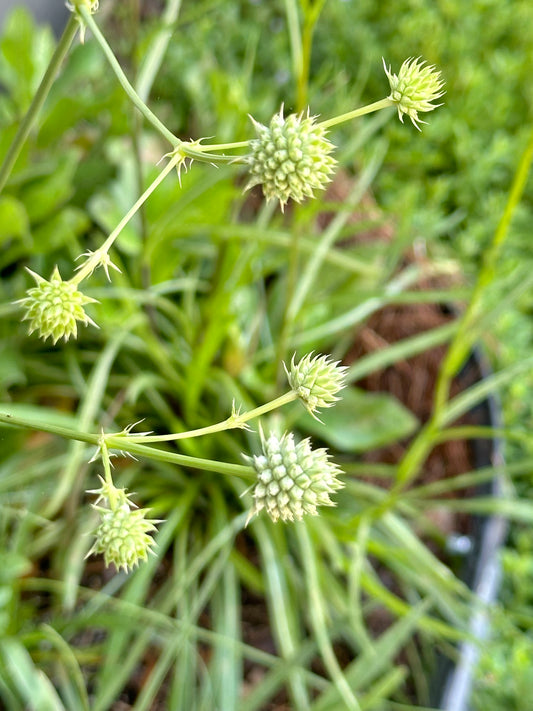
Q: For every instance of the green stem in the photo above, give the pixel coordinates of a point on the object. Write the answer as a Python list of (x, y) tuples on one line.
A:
[(463, 339), (376, 106), (225, 146), (289, 313), (235, 420), (38, 100), (122, 444), (96, 258), (311, 15), (123, 80), (106, 461), (303, 76), (466, 333)]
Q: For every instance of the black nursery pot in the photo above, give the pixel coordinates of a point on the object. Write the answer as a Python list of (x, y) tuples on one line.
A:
[(452, 689)]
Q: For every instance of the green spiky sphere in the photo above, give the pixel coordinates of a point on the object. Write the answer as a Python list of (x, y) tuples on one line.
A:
[(122, 536), (316, 380), (290, 158), (292, 478), (54, 307)]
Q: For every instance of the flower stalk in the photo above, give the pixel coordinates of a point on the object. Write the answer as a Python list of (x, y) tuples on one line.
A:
[(42, 92)]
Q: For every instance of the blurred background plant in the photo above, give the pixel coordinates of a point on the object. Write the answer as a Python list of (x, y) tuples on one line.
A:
[(348, 610)]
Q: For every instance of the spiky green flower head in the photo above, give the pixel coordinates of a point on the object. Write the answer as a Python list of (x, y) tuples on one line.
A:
[(54, 307), (290, 158), (292, 478), (414, 88), (316, 380), (123, 534)]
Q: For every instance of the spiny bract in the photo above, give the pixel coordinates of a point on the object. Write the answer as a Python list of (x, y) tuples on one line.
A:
[(413, 89)]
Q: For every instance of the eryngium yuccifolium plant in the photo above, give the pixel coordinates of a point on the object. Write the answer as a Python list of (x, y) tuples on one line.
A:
[(54, 307), (316, 380), (123, 534), (292, 479), (290, 158), (414, 88)]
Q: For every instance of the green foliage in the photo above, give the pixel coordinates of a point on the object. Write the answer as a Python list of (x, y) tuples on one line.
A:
[(216, 291)]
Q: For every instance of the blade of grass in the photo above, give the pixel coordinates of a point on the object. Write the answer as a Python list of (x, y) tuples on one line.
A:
[(29, 682), (285, 621), (317, 618), (368, 666)]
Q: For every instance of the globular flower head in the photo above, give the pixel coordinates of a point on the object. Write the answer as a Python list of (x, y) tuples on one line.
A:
[(290, 158), (316, 380), (123, 533), (292, 478), (414, 88), (54, 307)]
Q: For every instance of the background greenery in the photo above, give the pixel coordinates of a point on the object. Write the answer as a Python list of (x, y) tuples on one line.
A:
[(193, 322)]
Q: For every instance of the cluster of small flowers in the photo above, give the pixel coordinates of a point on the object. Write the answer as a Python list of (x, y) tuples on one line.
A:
[(291, 158), (292, 478), (123, 533)]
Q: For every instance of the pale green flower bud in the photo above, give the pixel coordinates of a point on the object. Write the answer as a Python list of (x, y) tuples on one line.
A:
[(290, 158), (54, 307), (76, 5), (122, 535), (414, 88), (292, 479), (91, 5), (316, 380)]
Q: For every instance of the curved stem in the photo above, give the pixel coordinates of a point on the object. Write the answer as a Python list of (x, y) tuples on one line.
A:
[(368, 109), (225, 146), (38, 100), (123, 80), (120, 443), (235, 420), (96, 258), (289, 313)]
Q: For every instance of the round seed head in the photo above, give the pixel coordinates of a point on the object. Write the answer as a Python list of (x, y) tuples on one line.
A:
[(122, 535), (54, 307), (413, 89), (292, 478), (290, 158), (316, 380)]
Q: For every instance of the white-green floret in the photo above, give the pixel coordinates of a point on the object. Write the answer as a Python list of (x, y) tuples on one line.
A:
[(53, 308), (413, 89), (292, 478), (316, 380), (123, 533), (290, 158)]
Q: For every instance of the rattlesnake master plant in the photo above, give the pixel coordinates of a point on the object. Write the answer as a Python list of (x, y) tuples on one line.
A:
[(122, 535), (316, 380), (54, 307), (292, 478), (290, 158), (413, 89)]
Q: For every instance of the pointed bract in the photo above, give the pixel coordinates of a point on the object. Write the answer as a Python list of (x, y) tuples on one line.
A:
[(413, 89)]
